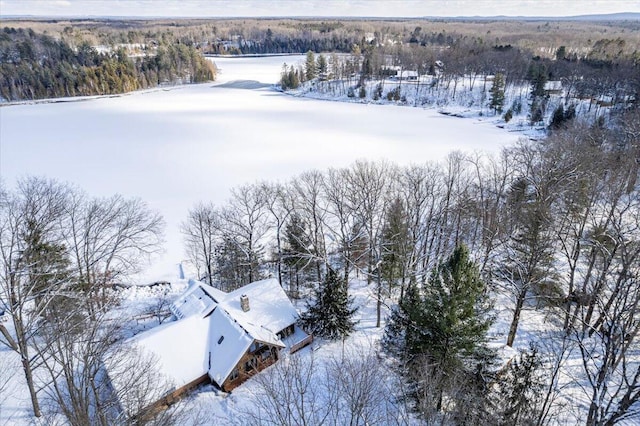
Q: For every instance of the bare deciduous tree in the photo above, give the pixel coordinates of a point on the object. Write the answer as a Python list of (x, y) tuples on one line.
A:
[(32, 267), (200, 232), (110, 238)]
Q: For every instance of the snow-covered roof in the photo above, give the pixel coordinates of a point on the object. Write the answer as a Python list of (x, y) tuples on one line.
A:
[(180, 348), (269, 306), (408, 73), (199, 299), (553, 85), (228, 342), (212, 332), (177, 349)]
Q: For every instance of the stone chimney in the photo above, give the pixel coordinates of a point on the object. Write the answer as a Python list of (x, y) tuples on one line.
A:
[(244, 303)]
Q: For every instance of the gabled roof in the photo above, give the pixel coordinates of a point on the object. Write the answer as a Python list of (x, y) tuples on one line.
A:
[(269, 306), (199, 299), (212, 332), (178, 349), (228, 342)]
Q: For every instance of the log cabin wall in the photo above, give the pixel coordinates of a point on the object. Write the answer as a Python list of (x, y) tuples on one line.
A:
[(258, 357)]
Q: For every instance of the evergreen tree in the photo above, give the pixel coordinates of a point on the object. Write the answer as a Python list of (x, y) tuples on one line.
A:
[(538, 77), (456, 311), (557, 120), (497, 93), (322, 65), (310, 66), (331, 314), (443, 325), (519, 393), (394, 243), (296, 252)]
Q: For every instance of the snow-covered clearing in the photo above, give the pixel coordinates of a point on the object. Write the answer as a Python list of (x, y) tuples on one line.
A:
[(180, 145)]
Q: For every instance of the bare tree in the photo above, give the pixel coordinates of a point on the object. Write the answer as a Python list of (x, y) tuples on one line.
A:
[(368, 192), (200, 238), (307, 191), (279, 205), (32, 264), (244, 223), (292, 392), (340, 222), (110, 238), (94, 376), (354, 388)]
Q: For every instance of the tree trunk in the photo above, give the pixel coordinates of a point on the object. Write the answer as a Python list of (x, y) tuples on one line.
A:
[(379, 301), (513, 328), (26, 367)]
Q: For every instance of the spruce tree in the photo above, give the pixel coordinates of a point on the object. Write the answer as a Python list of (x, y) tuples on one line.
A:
[(322, 65), (331, 314)]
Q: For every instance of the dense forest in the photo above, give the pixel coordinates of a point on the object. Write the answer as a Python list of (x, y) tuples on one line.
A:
[(37, 66), (60, 58)]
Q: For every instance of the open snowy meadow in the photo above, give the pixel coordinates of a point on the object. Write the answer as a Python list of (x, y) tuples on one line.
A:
[(176, 146)]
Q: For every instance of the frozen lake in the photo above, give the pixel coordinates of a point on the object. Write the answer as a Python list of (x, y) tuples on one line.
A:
[(178, 146)]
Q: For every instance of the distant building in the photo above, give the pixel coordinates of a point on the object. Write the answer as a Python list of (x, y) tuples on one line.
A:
[(397, 73), (553, 87)]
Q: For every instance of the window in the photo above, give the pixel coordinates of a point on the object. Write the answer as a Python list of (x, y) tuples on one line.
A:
[(286, 331), (234, 374), (250, 365), (220, 339)]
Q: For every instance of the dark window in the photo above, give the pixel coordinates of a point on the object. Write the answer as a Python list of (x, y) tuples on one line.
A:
[(250, 365), (234, 374), (220, 339)]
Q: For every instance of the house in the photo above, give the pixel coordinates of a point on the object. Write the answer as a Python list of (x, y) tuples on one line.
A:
[(408, 75), (553, 87), (397, 73), (221, 338)]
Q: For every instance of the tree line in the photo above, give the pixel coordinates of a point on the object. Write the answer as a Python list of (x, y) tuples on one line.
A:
[(548, 226), (509, 77), (37, 66)]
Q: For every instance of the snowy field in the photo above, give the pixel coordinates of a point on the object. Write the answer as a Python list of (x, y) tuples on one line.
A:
[(177, 146)]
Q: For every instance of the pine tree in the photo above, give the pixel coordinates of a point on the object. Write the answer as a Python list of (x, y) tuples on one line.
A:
[(456, 317), (310, 67), (443, 325), (497, 93), (331, 314), (322, 65), (394, 243)]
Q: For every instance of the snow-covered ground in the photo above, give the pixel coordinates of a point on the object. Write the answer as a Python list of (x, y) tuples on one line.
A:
[(176, 146)]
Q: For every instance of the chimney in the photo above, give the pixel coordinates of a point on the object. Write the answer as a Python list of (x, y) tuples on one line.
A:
[(244, 303)]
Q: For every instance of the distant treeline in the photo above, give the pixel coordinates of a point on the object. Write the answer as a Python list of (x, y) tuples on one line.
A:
[(284, 45), (37, 66)]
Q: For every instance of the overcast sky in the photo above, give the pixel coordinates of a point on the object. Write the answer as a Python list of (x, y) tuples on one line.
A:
[(373, 8)]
